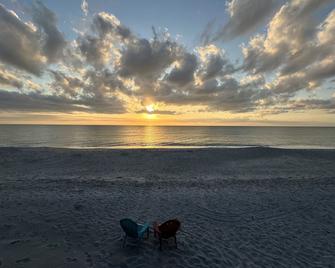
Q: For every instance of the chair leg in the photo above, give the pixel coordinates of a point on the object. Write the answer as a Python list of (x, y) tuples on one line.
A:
[(148, 233), (175, 241), (124, 241), (160, 243)]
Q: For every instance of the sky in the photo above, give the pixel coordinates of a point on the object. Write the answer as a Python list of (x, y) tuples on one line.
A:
[(185, 62)]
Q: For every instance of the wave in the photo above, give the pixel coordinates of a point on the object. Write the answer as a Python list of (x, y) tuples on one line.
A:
[(177, 146)]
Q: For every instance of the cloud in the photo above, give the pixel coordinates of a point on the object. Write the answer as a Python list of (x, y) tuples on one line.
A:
[(97, 90), (144, 111), (9, 79), (67, 85), (19, 43), (317, 49), (227, 94), (309, 104), (29, 46), (299, 48), (164, 71), (102, 83), (105, 23), (206, 35), (149, 59), (183, 72), (110, 69), (287, 42), (245, 15), (84, 7), (111, 61), (213, 62), (99, 46), (52, 39), (37, 102), (94, 50)]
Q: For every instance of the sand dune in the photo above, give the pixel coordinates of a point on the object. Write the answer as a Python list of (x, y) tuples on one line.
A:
[(238, 207)]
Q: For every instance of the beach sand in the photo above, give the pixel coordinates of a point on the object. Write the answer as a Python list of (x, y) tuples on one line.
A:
[(249, 207)]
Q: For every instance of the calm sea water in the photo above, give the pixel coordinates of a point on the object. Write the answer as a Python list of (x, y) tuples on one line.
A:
[(170, 137)]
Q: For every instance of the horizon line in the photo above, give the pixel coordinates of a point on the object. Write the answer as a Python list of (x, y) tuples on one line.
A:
[(154, 125)]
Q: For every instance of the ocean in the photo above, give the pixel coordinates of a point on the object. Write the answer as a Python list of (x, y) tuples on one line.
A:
[(165, 136)]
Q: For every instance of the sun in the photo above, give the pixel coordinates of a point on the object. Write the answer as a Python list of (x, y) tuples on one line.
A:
[(150, 108)]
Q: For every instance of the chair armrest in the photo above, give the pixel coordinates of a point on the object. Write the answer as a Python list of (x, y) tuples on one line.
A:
[(156, 229)]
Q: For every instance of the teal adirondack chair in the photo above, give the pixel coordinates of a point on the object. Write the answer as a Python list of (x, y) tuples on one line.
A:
[(133, 230)]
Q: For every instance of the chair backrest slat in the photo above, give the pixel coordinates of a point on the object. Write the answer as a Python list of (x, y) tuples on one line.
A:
[(169, 228), (129, 227)]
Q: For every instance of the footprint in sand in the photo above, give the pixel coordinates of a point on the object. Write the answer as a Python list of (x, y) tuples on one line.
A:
[(25, 260), (69, 259), (55, 245), (14, 242)]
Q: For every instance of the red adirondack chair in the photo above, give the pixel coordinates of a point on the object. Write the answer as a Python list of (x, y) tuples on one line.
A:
[(167, 230)]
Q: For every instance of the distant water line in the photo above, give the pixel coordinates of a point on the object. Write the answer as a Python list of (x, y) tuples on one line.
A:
[(125, 137)]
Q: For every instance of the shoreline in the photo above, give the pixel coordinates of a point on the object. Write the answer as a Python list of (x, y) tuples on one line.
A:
[(170, 148)]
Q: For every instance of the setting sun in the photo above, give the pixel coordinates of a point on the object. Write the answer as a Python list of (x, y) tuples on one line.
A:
[(150, 108)]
